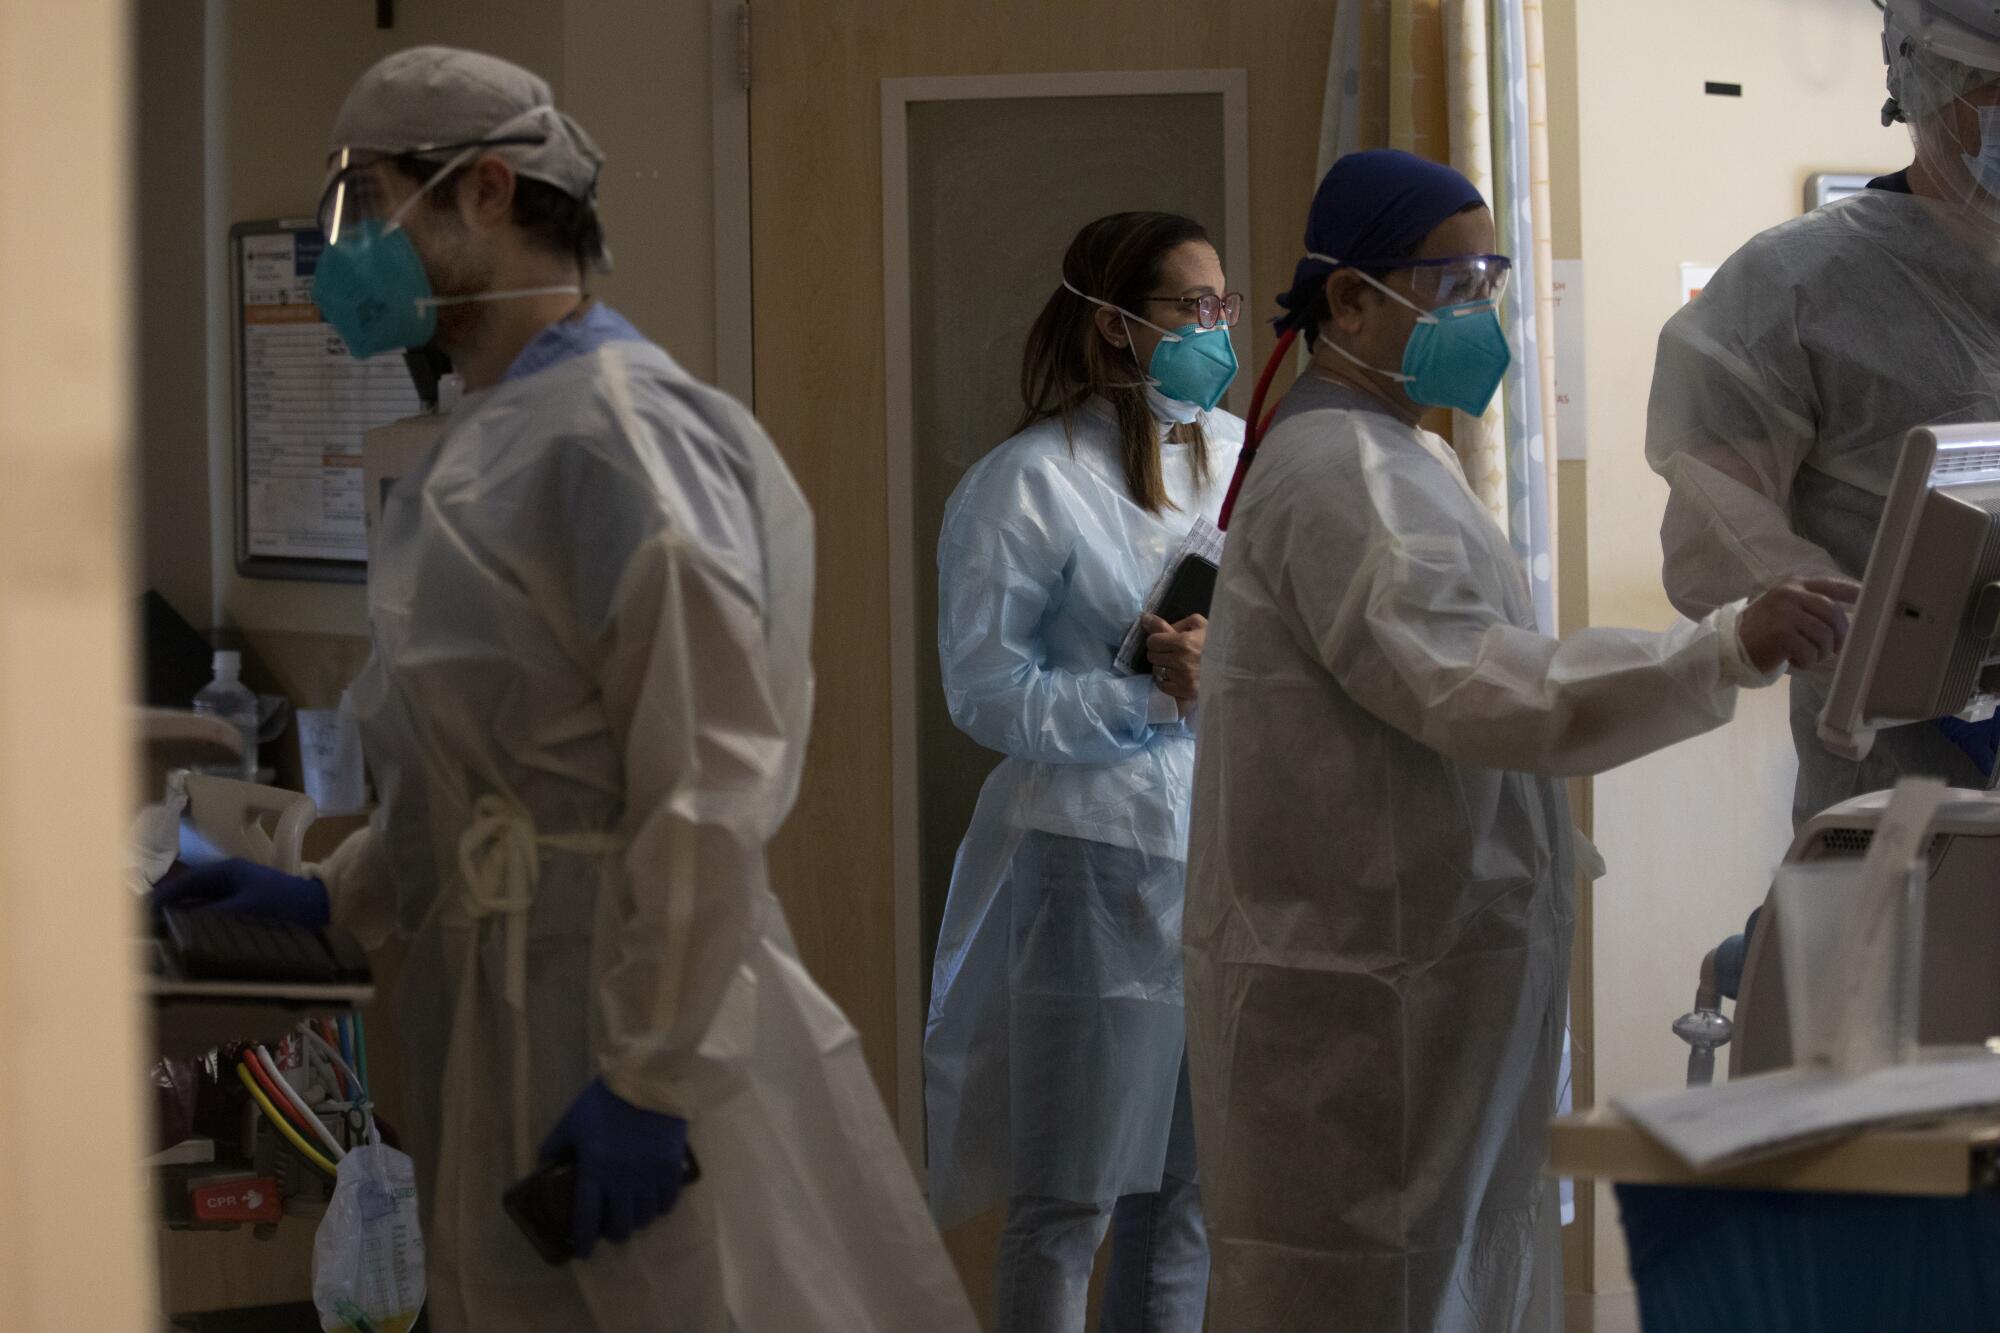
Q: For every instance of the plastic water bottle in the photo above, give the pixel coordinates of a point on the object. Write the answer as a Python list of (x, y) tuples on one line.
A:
[(228, 698)]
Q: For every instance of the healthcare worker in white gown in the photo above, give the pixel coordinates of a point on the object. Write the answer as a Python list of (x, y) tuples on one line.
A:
[(1378, 911), (1053, 1054), (1782, 394), (586, 712)]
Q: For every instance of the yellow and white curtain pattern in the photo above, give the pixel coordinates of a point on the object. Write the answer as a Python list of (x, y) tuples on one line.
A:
[(1462, 81)]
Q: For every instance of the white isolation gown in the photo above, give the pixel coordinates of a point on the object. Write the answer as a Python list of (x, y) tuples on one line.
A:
[(586, 713), (1053, 1051), (1781, 397), (1379, 885)]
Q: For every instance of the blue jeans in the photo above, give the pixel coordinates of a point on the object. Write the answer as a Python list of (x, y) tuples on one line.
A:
[(1158, 1281)]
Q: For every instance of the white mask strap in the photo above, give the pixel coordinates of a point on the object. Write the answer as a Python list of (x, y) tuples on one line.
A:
[(517, 293), (466, 154), (433, 302), (396, 218), (1123, 314), (1422, 314), (1165, 333), (1397, 376)]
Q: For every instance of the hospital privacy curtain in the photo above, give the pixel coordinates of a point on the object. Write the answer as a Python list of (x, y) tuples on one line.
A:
[(1462, 81)]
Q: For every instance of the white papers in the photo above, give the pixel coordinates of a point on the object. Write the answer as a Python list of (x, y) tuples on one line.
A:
[(1731, 1123), (1694, 277), (305, 404), (1571, 380), (1203, 539), (330, 754)]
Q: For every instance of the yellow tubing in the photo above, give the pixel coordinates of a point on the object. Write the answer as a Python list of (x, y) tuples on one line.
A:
[(284, 1126)]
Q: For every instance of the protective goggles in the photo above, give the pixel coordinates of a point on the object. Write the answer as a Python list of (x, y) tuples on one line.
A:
[(1459, 280)]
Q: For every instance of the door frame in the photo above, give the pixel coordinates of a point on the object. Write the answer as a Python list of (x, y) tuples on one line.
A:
[(729, 100), (898, 95)]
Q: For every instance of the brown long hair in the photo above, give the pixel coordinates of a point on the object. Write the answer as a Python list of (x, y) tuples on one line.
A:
[(1119, 259)]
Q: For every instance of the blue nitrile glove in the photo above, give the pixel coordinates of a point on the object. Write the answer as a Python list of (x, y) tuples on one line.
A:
[(1979, 740), (629, 1164), (246, 888)]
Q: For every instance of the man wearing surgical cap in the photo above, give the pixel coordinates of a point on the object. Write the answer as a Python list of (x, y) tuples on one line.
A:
[(1378, 916), (586, 711), (1783, 393)]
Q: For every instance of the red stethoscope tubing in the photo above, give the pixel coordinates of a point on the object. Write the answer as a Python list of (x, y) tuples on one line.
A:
[(1260, 422)]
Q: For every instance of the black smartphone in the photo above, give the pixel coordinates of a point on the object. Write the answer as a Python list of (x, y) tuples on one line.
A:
[(541, 1205), (1190, 593)]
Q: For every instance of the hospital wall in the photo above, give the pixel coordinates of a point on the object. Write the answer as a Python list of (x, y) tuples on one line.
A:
[(1665, 173)]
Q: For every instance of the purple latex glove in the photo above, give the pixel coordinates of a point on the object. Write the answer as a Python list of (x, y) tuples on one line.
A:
[(1978, 740), (248, 889), (629, 1165)]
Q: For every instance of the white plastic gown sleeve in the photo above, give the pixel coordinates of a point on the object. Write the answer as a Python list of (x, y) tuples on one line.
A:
[(1782, 394), (683, 673), (1780, 403), (1733, 417), (996, 586), (1415, 639), (681, 662), (667, 619)]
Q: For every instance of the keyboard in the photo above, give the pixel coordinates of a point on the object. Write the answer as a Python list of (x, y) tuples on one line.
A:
[(222, 946)]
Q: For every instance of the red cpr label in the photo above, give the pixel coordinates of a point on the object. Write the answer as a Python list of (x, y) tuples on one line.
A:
[(243, 1199)]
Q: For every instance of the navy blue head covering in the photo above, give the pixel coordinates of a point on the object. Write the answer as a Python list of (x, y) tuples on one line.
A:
[(1372, 210)]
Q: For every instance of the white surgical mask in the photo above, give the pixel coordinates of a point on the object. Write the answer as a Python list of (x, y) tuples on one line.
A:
[(1984, 166)]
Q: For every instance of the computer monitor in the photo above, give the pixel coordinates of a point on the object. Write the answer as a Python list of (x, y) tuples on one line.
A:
[(1926, 640)]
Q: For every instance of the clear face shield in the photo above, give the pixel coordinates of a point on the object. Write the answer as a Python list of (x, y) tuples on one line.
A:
[(353, 194), (1953, 112)]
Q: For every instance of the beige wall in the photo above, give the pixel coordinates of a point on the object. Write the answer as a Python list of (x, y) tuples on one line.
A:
[(72, 1206), (1666, 174), (271, 75), (637, 77)]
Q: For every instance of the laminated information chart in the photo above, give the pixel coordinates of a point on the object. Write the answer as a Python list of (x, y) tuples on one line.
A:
[(304, 405)]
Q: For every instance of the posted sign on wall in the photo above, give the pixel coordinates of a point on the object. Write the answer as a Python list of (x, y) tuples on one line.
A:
[(303, 406)]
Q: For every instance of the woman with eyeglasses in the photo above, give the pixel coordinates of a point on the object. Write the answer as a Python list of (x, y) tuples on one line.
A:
[(1381, 858), (1055, 1074)]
